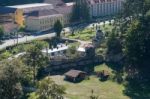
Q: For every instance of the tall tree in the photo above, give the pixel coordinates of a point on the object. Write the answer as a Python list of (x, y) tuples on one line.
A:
[(1, 33), (80, 11), (113, 45), (35, 58), (58, 28), (11, 74), (48, 89), (138, 45)]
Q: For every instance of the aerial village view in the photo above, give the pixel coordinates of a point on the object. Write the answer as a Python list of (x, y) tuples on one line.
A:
[(74, 49)]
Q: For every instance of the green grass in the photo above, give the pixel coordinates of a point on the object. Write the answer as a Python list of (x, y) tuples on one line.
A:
[(82, 90), (88, 34)]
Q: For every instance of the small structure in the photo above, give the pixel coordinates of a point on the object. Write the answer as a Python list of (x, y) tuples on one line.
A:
[(58, 51), (104, 75), (87, 50), (75, 75)]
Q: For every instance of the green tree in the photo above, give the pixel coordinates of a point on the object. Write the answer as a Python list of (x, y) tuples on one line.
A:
[(11, 74), (48, 89), (80, 11), (138, 45), (58, 28), (113, 45), (35, 58), (71, 52), (1, 33)]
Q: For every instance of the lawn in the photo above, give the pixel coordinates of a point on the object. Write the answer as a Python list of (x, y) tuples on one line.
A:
[(87, 34), (82, 90)]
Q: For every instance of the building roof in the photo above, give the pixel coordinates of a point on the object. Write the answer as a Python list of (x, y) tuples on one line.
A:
[(81, 49), (42, 13), (29, 5), (6, 10), (74, 73), (60, 48), (55, 2), (64, 9)]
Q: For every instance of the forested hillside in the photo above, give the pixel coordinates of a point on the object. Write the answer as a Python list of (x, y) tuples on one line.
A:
[(15, 2)]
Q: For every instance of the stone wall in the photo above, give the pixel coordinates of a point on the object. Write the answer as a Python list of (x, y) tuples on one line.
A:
[(74, 63)]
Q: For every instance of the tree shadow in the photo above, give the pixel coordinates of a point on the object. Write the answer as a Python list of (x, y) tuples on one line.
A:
[(118, 71), (137, 89)]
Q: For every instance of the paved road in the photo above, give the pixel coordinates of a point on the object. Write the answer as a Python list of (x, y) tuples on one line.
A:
[(12, 42)]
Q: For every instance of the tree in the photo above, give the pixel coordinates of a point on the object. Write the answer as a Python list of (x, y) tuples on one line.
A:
[(1, 33), (71, 52), (48, 89), (80, 11), (35, 58), (138, 45), (11, 74), (113, 45), (58, 28)]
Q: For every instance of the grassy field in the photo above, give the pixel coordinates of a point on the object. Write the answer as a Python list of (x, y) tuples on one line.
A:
[(82, 90), (87, 34)]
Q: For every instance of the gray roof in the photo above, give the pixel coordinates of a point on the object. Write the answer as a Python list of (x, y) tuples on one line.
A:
[(6, 10), (64, 9), (74, 73), (55, 2), (42, 13)]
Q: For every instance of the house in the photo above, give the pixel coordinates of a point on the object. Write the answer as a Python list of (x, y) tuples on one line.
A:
[(100, 8), (75, 75), (21, 10)]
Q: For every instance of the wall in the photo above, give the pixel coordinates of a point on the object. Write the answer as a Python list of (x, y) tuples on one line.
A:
[(106, 8), (44, 23), (74, 63)]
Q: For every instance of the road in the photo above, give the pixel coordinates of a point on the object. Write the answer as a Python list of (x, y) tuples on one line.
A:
[(12, 42)]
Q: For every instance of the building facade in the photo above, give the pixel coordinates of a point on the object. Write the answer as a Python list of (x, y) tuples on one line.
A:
[(41, 23), (101, 8), (21, 10), (43, 20)]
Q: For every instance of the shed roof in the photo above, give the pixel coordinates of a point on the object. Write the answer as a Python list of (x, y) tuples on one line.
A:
[(74, 73)]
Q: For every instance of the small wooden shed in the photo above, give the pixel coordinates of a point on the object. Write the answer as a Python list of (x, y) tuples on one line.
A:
[(75, 75)]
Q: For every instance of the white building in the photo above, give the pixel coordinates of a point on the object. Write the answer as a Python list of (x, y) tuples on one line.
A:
[(100, 8)]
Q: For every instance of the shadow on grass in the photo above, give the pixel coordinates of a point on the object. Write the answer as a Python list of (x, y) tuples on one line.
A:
[(117, 71)]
